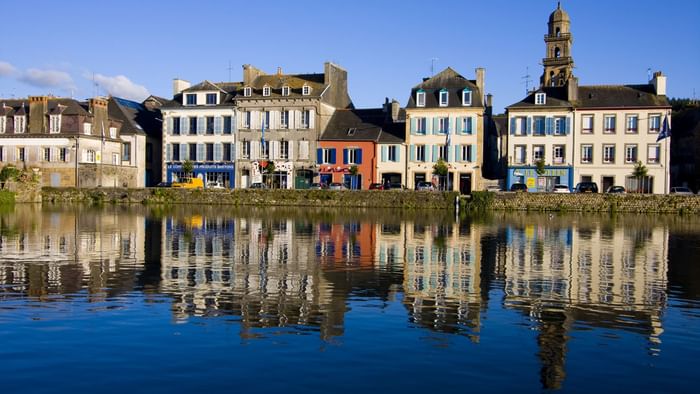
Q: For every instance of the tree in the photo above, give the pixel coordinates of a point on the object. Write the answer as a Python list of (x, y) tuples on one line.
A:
[(188, 168), (353, 170), (268, 171), (440, 169), (539, 167), (639, 172)]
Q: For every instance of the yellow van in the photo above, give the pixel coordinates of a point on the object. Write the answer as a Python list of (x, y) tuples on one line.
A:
[(189, 183)]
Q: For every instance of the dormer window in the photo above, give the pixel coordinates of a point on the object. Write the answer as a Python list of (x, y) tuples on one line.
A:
[(211, 98), (247, 91), (87, 128), (112, 132), (54, 124), (420, 98), (191, 99), (466, 97), (443, 98), (306, 90), (285, 90), (20, 124), (540, 98), (3, 124), (266, 91)]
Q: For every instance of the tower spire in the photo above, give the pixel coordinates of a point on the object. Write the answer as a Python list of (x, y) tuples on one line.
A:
[(558, 63)]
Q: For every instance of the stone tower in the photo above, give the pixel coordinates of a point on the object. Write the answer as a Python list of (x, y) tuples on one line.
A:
[(558, 63)]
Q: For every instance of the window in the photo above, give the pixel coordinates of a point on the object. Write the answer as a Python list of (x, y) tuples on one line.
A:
[(285, 90), (559, 125), (210, 125), (466, 97), (227, 151), (193, 125), (653, 153), (520, 125), (265, 121), (47, 154), (630, 153), (176, 126), (90, 156), (587, 124), (443, 125), (654, 123), (540, 98), (305, 115), (193, 152), (247, 91), (209, 152), (3, 124), (191, 99), (245, 149), (442, 152), (520, 154), (609, 124), (20, 124), (266, 91), (227, 125), (420, 98), (306, 90), (466, 153), (284, 119), (586, 154), (421, 125), (284, 150), (112, 132), (54, 124), (176, 152), (632, 123), (467, 125), (558, 154), (126, 151), (265, 149), (327, 156), (538, 125), (63, 154), (393, 153), (608, 154), (211, 98), (246, 119), (420, 152), (538, 152), (20, 154), (354, 156), (443, 98)]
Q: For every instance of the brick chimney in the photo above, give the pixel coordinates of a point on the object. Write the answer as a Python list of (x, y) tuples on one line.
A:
[(480, 80), (659, 82), (572, 89), (250, 73), (38, 112), (100, 119), (395, 107)]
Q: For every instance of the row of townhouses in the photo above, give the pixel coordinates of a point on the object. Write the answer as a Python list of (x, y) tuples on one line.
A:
[(291, 130)]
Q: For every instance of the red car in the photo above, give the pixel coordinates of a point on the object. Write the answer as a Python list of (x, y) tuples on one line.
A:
[(376, 186)]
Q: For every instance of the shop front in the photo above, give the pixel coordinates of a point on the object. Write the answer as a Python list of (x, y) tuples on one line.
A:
[(540, 182), (211, 174)]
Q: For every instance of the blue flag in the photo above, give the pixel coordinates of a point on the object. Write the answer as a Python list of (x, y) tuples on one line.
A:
[(262, 140), (665, 130)]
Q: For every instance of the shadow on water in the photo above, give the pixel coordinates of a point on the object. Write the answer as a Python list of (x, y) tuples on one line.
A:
[(301, 270)]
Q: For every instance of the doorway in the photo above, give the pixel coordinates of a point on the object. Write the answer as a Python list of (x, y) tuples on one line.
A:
[(465, 183), (606, 182)]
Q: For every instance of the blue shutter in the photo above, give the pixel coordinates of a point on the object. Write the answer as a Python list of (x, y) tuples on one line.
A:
[(435, 125), (473, 149), (200, 125), (384, 153), (413, 153), (428, 126), (319, 156), (435, 153), (459, 122), (183, 152), (345, 156), (233, 152), (218, 125), (184, 125), (528, 129), (413, 125), (333, 156), (449, 153), (359, 156), (512, 126), (458, 153), (568, 125), (549, 126)]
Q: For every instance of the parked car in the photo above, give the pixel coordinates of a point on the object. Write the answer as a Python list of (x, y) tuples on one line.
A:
[(425, 186), (337, 186), (189, 183), (518, 187), (258, 185), (376, 186), (586, 187), (616, 190), (395, 186), (561, 189), (318, 186), (681, 191), (214, 185)]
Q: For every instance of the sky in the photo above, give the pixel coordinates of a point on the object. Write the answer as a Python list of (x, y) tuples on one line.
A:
[(132, 49)]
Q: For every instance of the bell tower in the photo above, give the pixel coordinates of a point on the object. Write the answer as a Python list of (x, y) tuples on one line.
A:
[(558, 63)]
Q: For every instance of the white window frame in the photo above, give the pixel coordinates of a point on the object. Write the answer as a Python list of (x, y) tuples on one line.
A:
[(654, 123), (265, 150), (559, 154), (305, 119), (607, 119), (20, 124), (520, 125), (113, 132), (522, 149), (54, 124), (246, 119), (467, 125), (206, 98), (540, 98), (538, 153), (466, 97), (352, 155), (266, 91), (559, 125), (46, 154), (467, 153), (420, 98), (421, 125), (90, 156), (443, 125), (444, 98), (63, 154), (584, 119), (305, 90), (21, 153), (284, 150), (656, 157), (608, 158), (284, 119), (326, 155), (3, 124), (87, 128), (392, 153), (247, 91), (442, 152), (285, 90), (420, 153), (587, 159), (265, 120), (245, 149), (631, 150), (628, 124), (187, 97)]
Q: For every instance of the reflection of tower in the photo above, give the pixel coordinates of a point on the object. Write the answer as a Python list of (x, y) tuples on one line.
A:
[(558, 63), (552, 344)]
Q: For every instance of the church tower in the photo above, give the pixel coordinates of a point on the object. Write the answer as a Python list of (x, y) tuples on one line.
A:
[(558, 63)]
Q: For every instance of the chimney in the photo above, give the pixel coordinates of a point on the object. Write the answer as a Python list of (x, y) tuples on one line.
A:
[(489, 104), (659, 82), (279, 71), (179, 85), (250, 73), (480, 75), (395, 107), (38, 111), (572, 89), (100, 119)]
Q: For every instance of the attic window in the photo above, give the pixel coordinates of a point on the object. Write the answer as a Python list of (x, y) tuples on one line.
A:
[(247, 91), (285, 90), (540, 98), (191, 99), (211, 98), (20, 124), (351, 131), (306, 90), (466, 97), (266, 91), (443, 98), (420, 98)]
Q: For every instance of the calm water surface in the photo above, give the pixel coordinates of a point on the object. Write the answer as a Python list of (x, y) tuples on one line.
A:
[(181, 299)]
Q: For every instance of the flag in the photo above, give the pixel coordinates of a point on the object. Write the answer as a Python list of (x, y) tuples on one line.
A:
[(448, 137), (262, 140), (665, 130)]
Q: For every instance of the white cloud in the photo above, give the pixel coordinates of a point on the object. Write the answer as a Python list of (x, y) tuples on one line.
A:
[(6, 68), (121, 86), (47, 78)]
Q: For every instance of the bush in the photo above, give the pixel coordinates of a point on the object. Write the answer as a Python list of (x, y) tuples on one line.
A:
[(9, 172)]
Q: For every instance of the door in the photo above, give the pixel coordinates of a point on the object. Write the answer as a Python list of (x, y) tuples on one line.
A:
[(465, 183), (606, 182)]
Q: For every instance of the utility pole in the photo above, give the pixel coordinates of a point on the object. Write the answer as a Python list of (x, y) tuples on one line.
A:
[(432, 65), (526, 80)]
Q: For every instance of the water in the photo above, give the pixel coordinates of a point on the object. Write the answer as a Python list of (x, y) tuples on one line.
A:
[(180, 299)]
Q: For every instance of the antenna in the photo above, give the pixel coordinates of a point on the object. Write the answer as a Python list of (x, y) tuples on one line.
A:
[(432, 65), (229, 71), (526, 79)]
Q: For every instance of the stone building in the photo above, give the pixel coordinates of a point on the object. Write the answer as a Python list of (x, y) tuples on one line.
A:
[(70, 143)]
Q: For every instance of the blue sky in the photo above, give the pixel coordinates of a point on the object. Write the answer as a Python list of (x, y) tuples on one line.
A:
[(135, 48)]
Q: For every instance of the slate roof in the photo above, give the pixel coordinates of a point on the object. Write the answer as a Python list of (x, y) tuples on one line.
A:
[(276, 81), (453, 82), (556, 97), (21, 106), (363, 125), (500, 123), (609, 96), (135, 117)]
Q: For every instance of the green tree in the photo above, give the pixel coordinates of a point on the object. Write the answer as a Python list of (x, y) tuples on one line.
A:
[(639, 172), (539, 167), (353, 176), (268, 173), (440, 169), (9, 172), (188, 167)]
